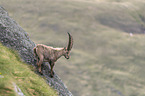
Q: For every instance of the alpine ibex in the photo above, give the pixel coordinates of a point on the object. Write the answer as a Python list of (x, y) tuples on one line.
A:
[(49, 54)]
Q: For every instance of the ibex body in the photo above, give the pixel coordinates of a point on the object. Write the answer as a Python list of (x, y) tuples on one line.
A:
[(49, 54)]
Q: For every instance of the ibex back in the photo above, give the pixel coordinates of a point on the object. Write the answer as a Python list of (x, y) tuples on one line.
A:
[(49, 54)]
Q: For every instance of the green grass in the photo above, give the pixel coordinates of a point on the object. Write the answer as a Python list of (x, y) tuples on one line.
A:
[(105, 60), (15, 71)]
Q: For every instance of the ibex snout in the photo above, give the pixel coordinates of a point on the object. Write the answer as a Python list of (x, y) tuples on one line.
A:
[(66, 56)]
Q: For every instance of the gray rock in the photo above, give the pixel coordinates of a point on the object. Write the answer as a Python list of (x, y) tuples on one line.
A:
[(13, 36)]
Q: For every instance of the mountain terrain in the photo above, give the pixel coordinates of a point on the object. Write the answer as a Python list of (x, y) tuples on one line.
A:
[(12, 64), (107, 58), (17, 77)]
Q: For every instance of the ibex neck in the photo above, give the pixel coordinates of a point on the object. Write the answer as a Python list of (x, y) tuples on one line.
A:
[(59, 52)]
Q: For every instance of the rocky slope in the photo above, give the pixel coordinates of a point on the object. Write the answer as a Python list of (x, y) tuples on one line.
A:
[(13, 36)]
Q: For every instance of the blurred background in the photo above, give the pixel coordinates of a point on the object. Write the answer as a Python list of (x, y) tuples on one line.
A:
[(108, 56)]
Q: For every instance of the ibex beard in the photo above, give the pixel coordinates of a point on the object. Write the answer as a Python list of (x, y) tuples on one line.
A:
[(49, 54)]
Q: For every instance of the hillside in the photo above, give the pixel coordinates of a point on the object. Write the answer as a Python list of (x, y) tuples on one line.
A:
[(14, 71), (14, 37), (105, 59)]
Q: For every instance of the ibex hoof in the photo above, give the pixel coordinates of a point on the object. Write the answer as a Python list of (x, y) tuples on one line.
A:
[(41, 73), (51, 76)]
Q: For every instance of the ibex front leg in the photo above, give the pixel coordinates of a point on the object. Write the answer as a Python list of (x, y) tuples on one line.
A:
[(51, 65)]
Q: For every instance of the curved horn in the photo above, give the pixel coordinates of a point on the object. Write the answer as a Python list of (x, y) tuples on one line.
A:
[(70, 43)]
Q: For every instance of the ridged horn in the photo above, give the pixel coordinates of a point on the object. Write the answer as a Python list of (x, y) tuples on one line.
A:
[(70, 43)]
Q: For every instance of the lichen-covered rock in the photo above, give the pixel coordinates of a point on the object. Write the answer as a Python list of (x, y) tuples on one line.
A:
[(13, 36)]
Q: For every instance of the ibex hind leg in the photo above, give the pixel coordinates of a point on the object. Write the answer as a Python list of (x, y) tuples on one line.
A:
[(40, 63)]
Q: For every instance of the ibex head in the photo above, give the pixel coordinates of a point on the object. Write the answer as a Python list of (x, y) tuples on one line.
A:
[(69, 47)]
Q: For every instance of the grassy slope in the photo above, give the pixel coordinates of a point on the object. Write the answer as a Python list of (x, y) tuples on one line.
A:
[(14, 71), (105, 60)]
